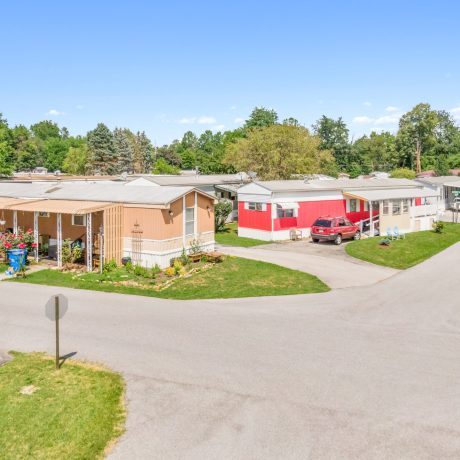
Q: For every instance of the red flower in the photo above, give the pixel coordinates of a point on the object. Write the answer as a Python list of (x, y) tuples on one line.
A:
[(22, 245), (34, 245), (7, 245)]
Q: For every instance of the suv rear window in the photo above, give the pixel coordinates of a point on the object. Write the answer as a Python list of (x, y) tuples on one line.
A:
[(323, 223)]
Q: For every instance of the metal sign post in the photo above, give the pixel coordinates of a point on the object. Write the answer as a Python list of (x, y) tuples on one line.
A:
[(55, 309)]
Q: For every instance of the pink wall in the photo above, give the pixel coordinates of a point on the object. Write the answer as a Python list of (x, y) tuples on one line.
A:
[(285, 222), (260, 220), (308, 212)]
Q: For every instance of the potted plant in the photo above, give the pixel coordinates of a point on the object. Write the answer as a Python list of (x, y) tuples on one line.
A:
[(16, 246)]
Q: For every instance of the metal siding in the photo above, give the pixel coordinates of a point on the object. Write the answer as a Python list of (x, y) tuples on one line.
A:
[(260, 220)]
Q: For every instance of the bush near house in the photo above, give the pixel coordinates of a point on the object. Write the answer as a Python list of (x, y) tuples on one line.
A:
[(404, 253)]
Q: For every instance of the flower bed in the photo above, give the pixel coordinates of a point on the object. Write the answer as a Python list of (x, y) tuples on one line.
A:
[(21, 240)]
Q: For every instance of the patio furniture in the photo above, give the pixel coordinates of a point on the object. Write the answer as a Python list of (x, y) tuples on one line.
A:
[(295, 234), (390, 234), (397, 234)]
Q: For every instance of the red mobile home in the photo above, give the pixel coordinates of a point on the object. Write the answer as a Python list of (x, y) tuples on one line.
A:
[(270, 210)]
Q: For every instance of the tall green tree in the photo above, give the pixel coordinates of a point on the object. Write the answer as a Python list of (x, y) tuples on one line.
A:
[(102, 155), (416, 135), (376, 151), (261, 117), (43, 130), (279, 152), (76, 161), (334, 138), (123, 145), (6, 166), (54, 152), (143, 153)]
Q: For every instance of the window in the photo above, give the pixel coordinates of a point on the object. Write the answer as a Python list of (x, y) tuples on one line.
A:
[(366, 206), (280, 212), (396, 207), (322, 223), (353, 205), (342, 222), (190, 221), (43, 214), (405, 206), (385, 207), (252, 206), (78, 219)]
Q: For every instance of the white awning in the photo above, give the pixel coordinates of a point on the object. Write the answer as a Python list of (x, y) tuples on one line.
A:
[(288, 205), (390, 194)]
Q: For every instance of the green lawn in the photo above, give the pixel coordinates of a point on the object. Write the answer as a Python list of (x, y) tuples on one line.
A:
[(234, 277), (230, 237), (407, 252), (75, 413)]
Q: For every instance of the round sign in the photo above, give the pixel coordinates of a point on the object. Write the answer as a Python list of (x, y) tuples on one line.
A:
[(50, 307)]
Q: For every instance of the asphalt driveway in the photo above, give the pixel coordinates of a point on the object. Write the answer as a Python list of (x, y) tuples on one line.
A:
[(326, 260), (361, 373)]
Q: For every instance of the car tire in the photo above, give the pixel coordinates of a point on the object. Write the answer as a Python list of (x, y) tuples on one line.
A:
[(338, 239), (357, 236), (315, 240)]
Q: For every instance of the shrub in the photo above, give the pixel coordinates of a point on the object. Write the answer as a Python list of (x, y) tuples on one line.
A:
[(195, 247), (221, 212), (385, 242), (177, 266), (129, 267), (109, 266), (184, 257), (71, 253), (403, 173), (170, 271), (144, 272), (438, 226), (155, 270)]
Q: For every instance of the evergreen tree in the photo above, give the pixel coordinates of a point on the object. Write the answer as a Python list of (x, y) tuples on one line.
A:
[(261, 118), (123, 145), (102, 156), (143, 153)]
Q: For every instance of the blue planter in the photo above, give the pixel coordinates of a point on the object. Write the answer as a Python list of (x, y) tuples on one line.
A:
[(17, 258)]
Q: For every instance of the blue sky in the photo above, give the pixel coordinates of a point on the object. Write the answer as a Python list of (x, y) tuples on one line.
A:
[(166, 67)]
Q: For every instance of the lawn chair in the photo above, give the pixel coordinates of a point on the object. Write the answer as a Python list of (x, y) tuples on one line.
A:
[(390, 234), (397, 234)]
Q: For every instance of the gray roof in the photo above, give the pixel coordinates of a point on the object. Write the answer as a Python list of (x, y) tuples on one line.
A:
[(195, 180), (440, 180), (93, 191), (337, 184)]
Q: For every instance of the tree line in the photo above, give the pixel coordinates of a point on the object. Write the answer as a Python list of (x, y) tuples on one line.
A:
[(272, 149)]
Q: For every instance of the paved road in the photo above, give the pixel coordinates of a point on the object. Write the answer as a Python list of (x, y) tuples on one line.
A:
[(360, 373), (327, 261)]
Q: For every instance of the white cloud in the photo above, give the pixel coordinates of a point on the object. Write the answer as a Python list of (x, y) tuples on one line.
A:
[(187, 120), (54, 112), (455, 112), (387, 120), (391, 109), (204, 120), (367, 104), (362, 120), (79, 107), (238, 120), (218, 127)]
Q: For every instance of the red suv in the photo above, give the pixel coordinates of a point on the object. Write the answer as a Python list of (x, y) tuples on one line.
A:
[(334, 229)]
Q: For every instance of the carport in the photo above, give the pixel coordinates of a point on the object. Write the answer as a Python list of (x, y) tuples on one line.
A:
[(109, 216)]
